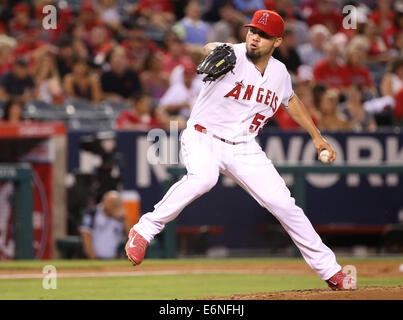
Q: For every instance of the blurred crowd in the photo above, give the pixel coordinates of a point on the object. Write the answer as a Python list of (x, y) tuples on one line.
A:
[(144, 53)]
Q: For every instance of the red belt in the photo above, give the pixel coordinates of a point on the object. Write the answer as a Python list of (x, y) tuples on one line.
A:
[(202, 129)]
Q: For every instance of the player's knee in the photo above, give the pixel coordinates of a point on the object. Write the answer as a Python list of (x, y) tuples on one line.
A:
[(204, 183)]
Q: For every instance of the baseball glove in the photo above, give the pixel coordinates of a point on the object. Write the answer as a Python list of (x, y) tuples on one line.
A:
[(220, 61)]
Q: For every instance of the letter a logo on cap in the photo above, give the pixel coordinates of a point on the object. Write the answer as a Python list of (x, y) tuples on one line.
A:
[(263, 18)]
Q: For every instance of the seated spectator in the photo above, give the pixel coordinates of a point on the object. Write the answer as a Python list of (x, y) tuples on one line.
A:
[(330, 119), (357, 72), (120, 82), (138, 47), (140, 117), (109, 14), (377, 51), (104, 227), (330, 71), (383, 15), (18, 83), (30, 46), (180, 97), (64, 56), (224, 29), (175, 54), (354, 111), (88, 18), (47, 80), (100, 44), (153, 81), (390, 33), (155, 13), (326, 14), (398, 112), (397, 48), (304, 93), (191, 28), (18, 23), (13, 111), (248, 7), (81, 83), (392, 81), (7, 45), (314, 51), (287, 52)]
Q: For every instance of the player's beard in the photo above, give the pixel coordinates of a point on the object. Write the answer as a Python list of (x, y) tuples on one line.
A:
[(256, 56)]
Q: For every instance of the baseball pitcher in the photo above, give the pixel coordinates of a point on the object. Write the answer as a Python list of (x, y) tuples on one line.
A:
[(243, 88)]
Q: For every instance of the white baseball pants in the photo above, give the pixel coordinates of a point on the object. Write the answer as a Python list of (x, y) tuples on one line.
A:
[(247, 164)]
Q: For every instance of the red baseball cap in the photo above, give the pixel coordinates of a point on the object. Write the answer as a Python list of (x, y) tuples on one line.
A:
[(268, 21)]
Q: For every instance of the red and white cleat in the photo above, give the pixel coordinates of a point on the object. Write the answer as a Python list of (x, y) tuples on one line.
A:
[(342, 281), (136, 247)]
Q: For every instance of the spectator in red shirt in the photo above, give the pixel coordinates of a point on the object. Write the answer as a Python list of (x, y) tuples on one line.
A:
[(327, 15), (376, 47), (383, 15), (140, 117), (88, 18), (175, 53), (21, 19), (390, 33), (330, 71), (305, 94), (7, 44), (138, 47), (100, 44), (357, 72), (398, 113), (158, 13)]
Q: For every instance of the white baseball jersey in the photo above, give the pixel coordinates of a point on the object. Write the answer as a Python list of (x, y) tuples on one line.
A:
[(237, 105)]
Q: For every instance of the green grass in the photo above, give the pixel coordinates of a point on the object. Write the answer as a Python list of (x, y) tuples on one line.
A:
[(156, 287)]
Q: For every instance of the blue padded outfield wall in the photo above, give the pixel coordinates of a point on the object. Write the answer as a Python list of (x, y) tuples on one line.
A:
[(331, 199)]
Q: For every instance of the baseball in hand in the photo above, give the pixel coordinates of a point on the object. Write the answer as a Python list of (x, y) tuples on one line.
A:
[(324, 156)]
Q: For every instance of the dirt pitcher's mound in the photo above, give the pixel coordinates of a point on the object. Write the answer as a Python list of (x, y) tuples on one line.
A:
[(363, 293)]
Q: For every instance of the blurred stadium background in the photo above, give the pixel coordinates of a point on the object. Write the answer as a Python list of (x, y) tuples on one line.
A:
[(78, 101)]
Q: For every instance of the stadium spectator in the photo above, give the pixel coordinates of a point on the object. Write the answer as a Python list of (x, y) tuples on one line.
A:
[(65, 56), (357, 72), (191, 28), (103, 228), (175, 53), (313, 51), (120, 82), (285, 122), (100, 44), (377, 50), (353, 110), (88, 18), (109, 14), (178, 100), (18, 83), (138, 47), (397, 48), (398, 112), (29, 45), (330, 71), (287, 52), (383, 15), (248, 7), (153, 81), (330, 118), (155, 13), (390, 33), (81, 83), (21, 19), (80, 42), (392, 81), (140, 117), (326, 14), (7, 45), (224, 29), (47, 80), (13, 112)]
